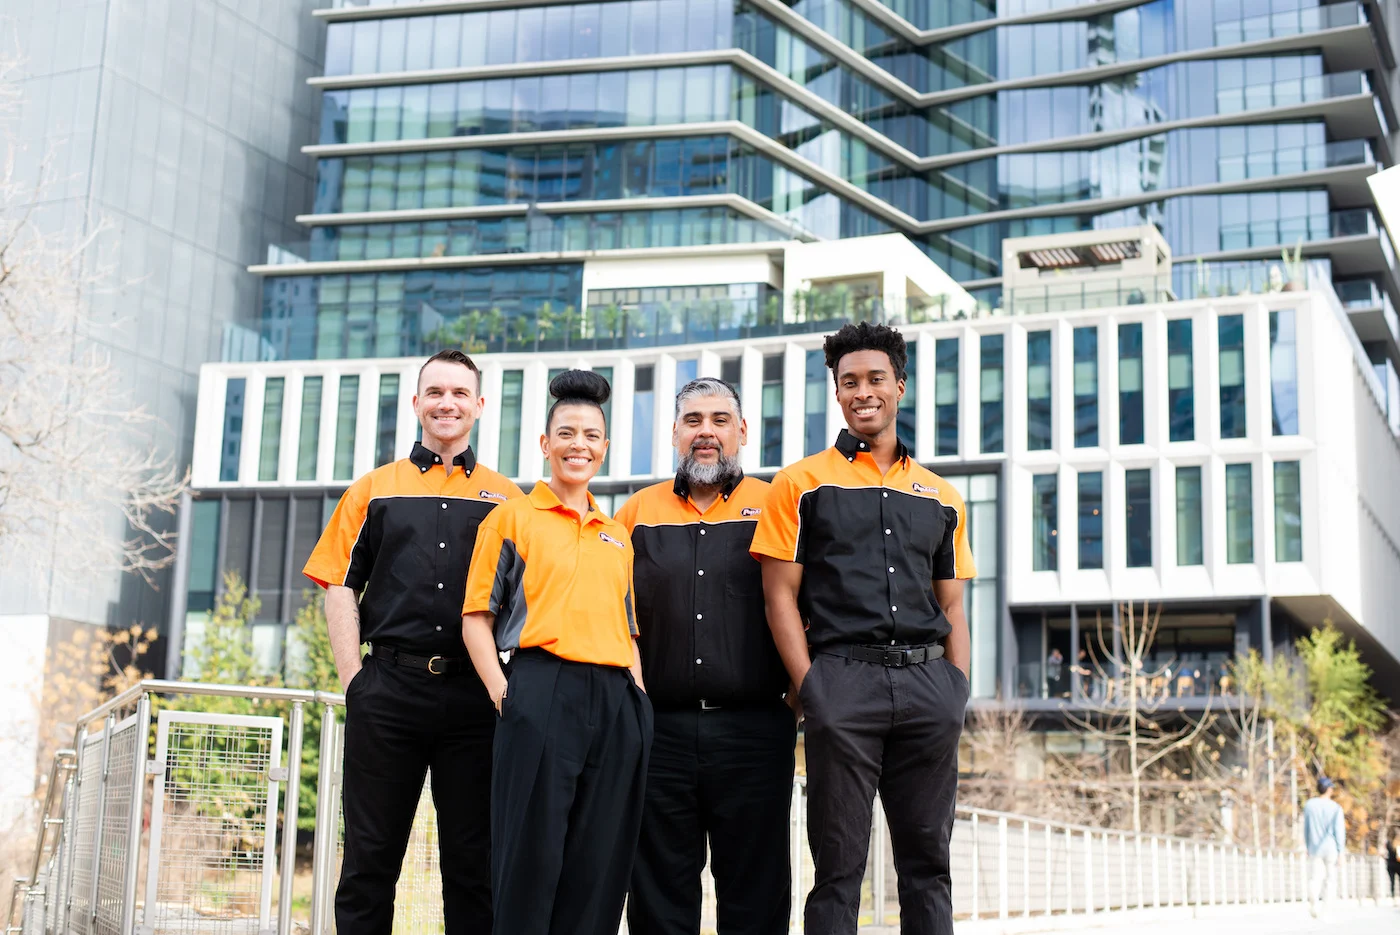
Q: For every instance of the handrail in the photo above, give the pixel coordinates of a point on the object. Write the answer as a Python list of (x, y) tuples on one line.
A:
[(174, 687), (63, 760)]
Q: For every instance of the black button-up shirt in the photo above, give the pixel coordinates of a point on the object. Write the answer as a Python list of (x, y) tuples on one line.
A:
[(403, 534), (703, 630), (871, 545)]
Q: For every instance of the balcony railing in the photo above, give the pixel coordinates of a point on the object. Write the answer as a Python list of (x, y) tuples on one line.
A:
[(1295, 159), (1169, 678), (1289, 23), (1071, 295), (1291, 91), (1354, 222)]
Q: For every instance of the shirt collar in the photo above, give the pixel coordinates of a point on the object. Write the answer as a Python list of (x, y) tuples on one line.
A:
[(682, 487), (425, 459), (544, 498), (850, 446)]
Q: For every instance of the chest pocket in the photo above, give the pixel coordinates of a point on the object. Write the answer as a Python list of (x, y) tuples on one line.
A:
[(743, 576), (924, 524)]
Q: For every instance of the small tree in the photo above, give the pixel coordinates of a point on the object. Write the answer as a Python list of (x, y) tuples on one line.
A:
[(1134, 714)]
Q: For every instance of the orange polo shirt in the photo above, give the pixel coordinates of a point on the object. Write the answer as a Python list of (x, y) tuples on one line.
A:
[(555, 580)]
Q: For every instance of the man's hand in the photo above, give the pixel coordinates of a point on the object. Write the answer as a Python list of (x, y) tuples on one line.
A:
[(498, 696)]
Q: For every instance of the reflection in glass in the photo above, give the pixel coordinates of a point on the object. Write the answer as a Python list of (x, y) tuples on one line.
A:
[(945, 395), (1086, 387), (309, 438), (1138, 513), (274, 391), (1232, 387), (1090, 519), (990, 392), (232, 446), (388, 418), (1239, 513), (1044, 522), (1288, 512), (1190, 546), (512, 392), (343, 467), (771, 433), (1038, 390), (1130, 401), (906, 420), (1283, 370), (1180, 381), (815, 402)]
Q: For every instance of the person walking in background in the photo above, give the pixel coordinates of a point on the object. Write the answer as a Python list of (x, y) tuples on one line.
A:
[(722, 756), (1325, 834), (865, 554), (1392, 859), (393, 561), (551, 583)]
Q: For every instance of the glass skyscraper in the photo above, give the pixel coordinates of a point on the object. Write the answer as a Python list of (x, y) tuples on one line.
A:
[(499, 146)]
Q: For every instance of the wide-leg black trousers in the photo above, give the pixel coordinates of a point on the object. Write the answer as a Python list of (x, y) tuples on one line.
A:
[(399, 723), (724, 776), (871, 727), (569, 773)]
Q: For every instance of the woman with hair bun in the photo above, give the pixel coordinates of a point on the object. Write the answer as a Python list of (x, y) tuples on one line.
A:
[(550, 581)]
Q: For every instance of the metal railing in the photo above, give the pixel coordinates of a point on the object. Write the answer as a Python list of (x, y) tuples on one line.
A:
[(220, 848)]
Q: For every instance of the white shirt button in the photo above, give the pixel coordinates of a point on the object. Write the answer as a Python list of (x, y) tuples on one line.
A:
[(440, 583), (443, 545), (891, 572), (436, 459), (439, 628), (862, 445), (885, 494), (444, 506), (697, 662), (702, 571), (699, 616), (702, 532), (887, 532), (850, 459), (894, 607)]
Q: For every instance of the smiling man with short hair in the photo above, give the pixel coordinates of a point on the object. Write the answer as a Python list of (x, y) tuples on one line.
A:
[(865, 553), (393, 561)]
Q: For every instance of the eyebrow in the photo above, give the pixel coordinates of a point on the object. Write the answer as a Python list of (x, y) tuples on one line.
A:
[(851, 374)]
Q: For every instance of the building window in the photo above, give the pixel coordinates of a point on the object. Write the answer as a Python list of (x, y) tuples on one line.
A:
[(1288, 512), (1090, 519), (731, 370), (1189, 540), (607, 374), (343, 467), (906, 416), (990, 392), (1232, 415), (1283, 370), (1045, 521), (270, 449), (234, 392), (309, 439), (1239, 514), (388, 418), (1138, 512), (1086, 387), (1130, 384), (548, 379), (203, 551), (815, 403), (1038, 399), (512, 392), (1181, 394), (772, 435), (643, 415), (945, 395)]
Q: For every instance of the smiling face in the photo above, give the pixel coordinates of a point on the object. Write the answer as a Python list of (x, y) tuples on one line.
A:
[(576, 443), (708, 434), (447, 404), (868, 392)]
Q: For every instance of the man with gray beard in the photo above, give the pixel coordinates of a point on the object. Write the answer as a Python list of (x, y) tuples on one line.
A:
[(721, 763)]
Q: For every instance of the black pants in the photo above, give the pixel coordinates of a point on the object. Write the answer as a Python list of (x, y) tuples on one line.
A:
[(725, 775), (566, 796), (1394, 871), (399, 723), (895, 729)]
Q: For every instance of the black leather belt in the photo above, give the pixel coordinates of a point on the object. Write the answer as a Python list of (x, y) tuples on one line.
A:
[(893, 656), (435, 665)]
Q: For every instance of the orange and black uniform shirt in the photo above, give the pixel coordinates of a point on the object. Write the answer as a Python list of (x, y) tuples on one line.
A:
[(704, 633), (871, 545), (555, 580), (403, 535)]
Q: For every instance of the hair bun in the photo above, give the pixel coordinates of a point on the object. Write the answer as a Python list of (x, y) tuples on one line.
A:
[(581, 385)]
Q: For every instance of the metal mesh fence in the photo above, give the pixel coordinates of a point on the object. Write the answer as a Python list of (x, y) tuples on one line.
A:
[(125, 754), (211, 827), (84, 836)]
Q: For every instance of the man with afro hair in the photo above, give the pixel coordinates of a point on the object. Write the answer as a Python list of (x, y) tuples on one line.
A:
[(865, 554)]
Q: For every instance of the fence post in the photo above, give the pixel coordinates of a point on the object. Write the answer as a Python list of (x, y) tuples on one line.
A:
[(1088, 873), (976, 869), (323, 844), (878, 884), (138, 813), (107, 725), (1026, 868), (795, 922), (1069, 871), (289, 819), (69, 830), (1003, 869), (1049, 870), (1196, 872)]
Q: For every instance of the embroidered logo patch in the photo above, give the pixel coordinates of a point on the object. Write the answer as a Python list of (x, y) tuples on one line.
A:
[(750, 511), (920, 488), (607, 538), (492, 495)]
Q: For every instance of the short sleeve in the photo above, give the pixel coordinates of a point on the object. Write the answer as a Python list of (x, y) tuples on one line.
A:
[(776, 535), (629, 601), (954, 556), (627, 514), (484, 595), (344, 555)]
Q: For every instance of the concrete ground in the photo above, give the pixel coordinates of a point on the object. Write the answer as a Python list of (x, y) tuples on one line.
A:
[(1366, 918)]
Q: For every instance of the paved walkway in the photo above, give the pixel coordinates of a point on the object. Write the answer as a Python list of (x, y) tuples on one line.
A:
[(1367, 919)]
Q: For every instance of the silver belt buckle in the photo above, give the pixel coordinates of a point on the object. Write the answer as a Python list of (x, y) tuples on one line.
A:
[(706, 706)]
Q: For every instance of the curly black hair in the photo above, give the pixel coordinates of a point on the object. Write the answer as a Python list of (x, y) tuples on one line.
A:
[(577, 388), (867, 337)]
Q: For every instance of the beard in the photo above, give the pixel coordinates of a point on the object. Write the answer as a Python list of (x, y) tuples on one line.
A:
[(716, 474)]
